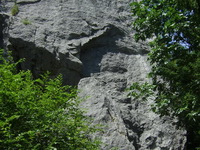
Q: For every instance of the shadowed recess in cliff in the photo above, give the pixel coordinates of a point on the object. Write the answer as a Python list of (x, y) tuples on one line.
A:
[(1, 34), (39, 61), (3, 25), (92, 52)]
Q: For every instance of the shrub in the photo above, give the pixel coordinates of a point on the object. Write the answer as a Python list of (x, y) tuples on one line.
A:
[(14, 10), (25, 21), (40, 113)]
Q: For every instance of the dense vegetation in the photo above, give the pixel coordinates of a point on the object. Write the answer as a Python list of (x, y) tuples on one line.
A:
[(40, 114), (174, 28)]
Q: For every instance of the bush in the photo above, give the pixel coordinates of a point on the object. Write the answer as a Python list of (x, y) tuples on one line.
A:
[(14, 10), (26, 21), (40, 113)]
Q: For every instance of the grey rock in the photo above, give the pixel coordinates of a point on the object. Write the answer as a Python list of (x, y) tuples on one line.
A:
[(129, 123), (90, 42)]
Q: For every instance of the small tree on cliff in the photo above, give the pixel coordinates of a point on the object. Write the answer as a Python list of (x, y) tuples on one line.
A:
[(40, 114), (175, 58)]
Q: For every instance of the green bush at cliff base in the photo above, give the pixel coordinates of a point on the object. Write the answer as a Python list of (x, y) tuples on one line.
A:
[(40, 114)]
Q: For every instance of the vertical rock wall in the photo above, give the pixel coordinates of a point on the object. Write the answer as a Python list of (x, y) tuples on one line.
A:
[(129, 123), (91, 43)]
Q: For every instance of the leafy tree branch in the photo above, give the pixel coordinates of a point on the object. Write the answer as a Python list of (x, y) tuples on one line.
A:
[(174, 27)]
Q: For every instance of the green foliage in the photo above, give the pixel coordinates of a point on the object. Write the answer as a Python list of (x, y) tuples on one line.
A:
[(14, 10), (175, 58), (142, 91), (40, 114), (25, 21), (190, 4)]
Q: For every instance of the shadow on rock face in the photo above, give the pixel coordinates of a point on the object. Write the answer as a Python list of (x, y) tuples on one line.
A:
[(3, 25), (39, 60), (93, 51), (1, 32)]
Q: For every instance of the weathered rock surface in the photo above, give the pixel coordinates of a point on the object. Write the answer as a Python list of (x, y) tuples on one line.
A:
[(129, 123), (90, 42)]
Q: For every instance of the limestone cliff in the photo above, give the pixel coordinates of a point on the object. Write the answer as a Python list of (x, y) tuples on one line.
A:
[(91, 43)]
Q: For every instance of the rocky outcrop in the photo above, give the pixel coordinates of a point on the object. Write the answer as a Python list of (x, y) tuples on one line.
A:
[(91, 43), (129, 123)]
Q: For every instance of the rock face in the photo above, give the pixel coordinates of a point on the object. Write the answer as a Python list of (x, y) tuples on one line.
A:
[(129, 123), (90, 42)]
